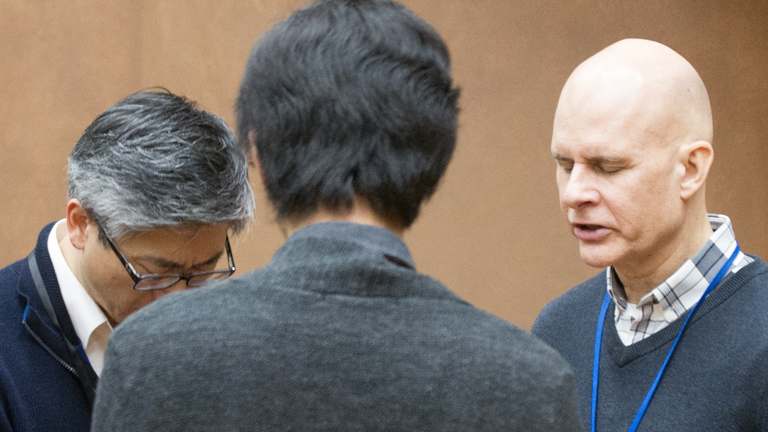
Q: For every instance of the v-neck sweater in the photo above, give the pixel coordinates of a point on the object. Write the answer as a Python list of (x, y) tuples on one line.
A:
[(716, 380)]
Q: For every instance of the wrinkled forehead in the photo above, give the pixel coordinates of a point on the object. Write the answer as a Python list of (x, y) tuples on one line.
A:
[(604, 87), (634, 90), (611, 108), (591, 114)]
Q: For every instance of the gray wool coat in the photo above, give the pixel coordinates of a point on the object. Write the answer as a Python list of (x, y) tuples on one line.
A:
[(338, 332)]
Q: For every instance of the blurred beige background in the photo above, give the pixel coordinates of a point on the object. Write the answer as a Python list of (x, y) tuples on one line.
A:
[(493, 233)]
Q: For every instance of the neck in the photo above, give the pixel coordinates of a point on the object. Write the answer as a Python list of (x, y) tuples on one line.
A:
[(73, 257), (360, 213), (71, 254), (639, 280)]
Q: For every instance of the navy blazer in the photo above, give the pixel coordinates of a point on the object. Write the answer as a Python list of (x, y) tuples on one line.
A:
[(40, 387)]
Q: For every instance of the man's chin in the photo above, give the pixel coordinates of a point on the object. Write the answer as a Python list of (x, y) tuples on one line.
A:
[(596, 256)]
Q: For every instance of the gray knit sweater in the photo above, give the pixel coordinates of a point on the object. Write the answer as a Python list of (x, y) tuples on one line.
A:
[(337, 333), (717, 379)]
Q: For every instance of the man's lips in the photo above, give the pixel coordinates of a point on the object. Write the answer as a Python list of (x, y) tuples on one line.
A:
[(589, 232)]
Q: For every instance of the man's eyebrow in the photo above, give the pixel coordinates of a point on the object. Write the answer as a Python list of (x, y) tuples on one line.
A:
[(595, 160), (604, 159), (169, 264)]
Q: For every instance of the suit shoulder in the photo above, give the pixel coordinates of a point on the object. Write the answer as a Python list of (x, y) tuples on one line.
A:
[(9, 284), (512, 346), (174, 310), (757, 269), (9, 274), (520, 366)]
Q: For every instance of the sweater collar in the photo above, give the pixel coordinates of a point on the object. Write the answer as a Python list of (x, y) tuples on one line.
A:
[(379, 239)]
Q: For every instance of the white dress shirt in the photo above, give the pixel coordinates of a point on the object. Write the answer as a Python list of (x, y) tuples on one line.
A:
[(90, 323)]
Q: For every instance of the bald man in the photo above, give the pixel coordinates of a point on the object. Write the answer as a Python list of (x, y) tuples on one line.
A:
[(632, 141)]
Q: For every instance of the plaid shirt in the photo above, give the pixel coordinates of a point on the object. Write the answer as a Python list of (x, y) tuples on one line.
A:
[(681, 291)]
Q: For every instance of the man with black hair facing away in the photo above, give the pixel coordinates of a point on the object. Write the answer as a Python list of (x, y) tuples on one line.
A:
[(155, 185), (349, 112)]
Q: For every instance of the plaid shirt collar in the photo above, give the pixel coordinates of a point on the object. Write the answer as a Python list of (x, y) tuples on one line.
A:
[(680, 292)]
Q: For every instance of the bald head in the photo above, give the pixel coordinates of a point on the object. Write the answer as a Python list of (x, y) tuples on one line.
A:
[(643, 84), (632, 140)]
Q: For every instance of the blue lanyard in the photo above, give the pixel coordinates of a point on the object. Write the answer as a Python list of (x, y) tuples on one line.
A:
[(599, 341)]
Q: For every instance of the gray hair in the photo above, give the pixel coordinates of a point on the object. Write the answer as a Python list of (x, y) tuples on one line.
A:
[(155, 160)]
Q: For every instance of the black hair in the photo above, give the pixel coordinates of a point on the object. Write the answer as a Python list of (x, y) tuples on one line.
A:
[(350, 99)]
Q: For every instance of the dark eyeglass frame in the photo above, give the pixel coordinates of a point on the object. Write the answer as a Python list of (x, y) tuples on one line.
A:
[(174, 277)]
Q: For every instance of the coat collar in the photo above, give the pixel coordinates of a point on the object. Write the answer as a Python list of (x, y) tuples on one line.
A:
[(35, 317), (339, 258)]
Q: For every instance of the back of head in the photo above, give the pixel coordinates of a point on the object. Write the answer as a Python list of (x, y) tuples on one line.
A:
[(350, 99), (155, 160)]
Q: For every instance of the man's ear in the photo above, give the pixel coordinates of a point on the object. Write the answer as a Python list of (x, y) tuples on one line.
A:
[(78, 221), (253, 156), (697, 158)]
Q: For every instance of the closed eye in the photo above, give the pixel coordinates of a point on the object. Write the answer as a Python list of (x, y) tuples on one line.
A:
[(608, 169), (564, 163), (607, 165), (165, 266)]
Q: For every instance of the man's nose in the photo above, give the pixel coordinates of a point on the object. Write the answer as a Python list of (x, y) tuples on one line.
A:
[(579, 189)]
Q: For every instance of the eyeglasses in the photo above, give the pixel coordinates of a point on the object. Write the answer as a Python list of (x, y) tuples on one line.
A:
[(161, 281)]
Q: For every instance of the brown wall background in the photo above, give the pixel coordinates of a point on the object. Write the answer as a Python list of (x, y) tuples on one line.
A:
[(493, 233)]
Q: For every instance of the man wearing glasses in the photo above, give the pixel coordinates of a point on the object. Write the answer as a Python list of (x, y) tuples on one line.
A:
[(155, 185)]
